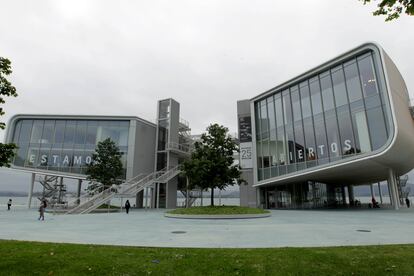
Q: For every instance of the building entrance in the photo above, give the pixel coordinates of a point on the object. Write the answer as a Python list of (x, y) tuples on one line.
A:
[(304, 195)]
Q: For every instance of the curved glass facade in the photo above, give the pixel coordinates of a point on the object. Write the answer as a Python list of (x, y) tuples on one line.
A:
[(335, 114), (65, 145)]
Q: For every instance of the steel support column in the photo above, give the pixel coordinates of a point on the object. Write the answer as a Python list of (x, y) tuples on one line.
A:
[(380, 192), (29, 198), (79, 190), (351, 194), (392, 185)]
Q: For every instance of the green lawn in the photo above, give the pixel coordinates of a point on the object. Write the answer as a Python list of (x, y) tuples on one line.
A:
[(218, 210), (33, 258)]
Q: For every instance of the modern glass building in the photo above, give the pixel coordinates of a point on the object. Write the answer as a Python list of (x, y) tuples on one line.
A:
[(344, 123), (64, 145), (336, 114), (53, 147)]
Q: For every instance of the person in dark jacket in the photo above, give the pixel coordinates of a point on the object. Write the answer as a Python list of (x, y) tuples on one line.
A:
[(127, 206), (42, 208), (9, 204), (407, 201)]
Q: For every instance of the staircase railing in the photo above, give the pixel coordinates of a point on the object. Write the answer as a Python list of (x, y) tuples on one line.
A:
[(97, 197), (129, 187)]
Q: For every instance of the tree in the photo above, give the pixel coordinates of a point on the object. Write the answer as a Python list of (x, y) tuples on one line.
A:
[(211, 163), (8, 90), (393, 8), (106, 166)]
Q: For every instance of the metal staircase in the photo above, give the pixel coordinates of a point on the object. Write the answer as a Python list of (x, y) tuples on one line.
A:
[(53, 191), (130, 187), (403, 190)]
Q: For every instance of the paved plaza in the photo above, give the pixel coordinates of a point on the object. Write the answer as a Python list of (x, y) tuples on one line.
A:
[(291, 228)]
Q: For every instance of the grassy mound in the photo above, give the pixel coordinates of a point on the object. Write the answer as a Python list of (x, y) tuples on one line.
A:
[(218, 210)]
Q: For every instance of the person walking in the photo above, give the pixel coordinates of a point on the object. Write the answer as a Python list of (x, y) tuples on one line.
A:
[(407, 201), (127, 206), (42, 210), (9, 204)]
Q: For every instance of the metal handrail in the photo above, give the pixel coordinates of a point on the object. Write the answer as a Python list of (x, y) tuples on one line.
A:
[(132, 185), (181, 147)]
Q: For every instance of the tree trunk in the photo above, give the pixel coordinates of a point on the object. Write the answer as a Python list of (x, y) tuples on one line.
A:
[(212, 196)]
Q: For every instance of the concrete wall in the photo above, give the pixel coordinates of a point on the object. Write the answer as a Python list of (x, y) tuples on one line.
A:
[(144, 151)]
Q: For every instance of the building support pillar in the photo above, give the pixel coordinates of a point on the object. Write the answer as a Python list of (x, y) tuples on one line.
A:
[(343, 195), (392, 186), (146, 197), (157, 185), (351, 195), (258, 201), (29, 198), (372, 190), (153, 197), (79, 191), (380, 192)]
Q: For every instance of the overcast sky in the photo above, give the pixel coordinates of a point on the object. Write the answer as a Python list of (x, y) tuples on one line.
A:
[(120, 57)]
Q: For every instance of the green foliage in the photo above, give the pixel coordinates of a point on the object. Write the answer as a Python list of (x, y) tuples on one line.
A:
[(35, 258), (211, 164), (7, 90), (218, 210), (393, 8), (106, 166), (6, 154)]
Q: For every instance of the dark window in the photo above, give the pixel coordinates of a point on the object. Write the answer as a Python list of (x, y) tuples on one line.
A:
[(264, 120), (91, 133), (310, 139), (257, 119), (352, 82), (69, 133), (315, 96), (59, 132), (345, 130), (299, 142), (37, 131), (279, 111), (306, 105), (287, 107), (162, 134), (48, 132), (339, 87), (80, 133), (164, 109), (360, 126), (327, 95), (333, 135), (297, 114), (320, 133), (17, 132), (377, 129), (369, 82), (271, 113)]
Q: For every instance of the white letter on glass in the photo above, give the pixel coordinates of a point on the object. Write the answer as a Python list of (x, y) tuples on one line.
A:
[(347, 144), (321, 148), (334, 147)]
